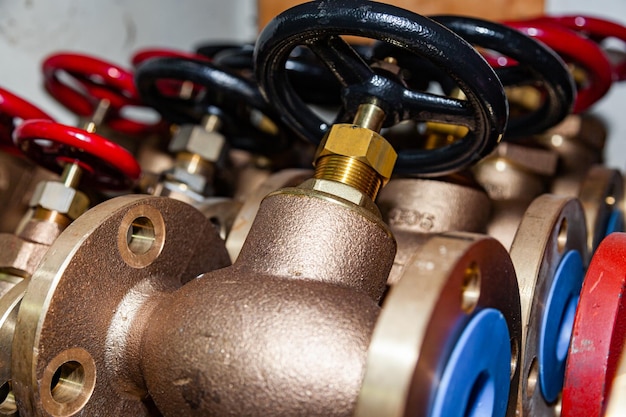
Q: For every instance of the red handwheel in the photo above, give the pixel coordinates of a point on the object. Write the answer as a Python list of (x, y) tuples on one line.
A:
[(53, 145), (81, 82), (13, 107), (599, 331), (596, 29), (578, 50)]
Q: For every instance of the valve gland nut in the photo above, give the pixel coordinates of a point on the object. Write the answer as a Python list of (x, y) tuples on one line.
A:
[(194, 139), (362, 144), (55, 196)]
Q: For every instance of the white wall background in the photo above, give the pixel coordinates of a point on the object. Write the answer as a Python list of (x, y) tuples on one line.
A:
[(113, 30)]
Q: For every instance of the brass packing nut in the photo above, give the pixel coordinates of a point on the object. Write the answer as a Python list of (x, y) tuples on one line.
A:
[(362, 144), (194, 139), (56, 196)]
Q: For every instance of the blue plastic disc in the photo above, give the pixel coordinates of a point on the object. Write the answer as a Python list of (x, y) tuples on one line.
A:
[(476, 378), (615, 223), (557, 323)]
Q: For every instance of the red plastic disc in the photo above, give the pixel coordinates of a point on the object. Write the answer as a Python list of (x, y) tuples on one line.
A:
[(579, 50), (53, 145), (599, 331)]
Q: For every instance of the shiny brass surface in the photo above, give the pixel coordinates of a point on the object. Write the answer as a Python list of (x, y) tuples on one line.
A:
[(416, 208), (242, 223), (424, 313), (371, 116), (369, 158), (113, 263), (348, 171), (601, 191), (551, 227), (356, 155)]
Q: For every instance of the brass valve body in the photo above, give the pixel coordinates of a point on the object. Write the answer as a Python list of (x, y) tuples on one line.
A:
[(418, 208), (305, 289), (514, 175)]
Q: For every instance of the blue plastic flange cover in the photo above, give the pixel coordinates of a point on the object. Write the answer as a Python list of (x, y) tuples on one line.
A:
[(476, 378), (615, 223), (557, 323)]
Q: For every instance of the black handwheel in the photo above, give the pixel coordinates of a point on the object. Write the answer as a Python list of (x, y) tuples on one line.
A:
[(537, 65), (318, 25), (225, 93), (314, 83)]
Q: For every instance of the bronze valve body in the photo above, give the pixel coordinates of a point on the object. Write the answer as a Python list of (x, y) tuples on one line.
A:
[(283, 331)]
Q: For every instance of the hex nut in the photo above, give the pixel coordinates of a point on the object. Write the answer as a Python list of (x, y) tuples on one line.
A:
[(211, 146), (362, 144), (196, 182), (55, 196)]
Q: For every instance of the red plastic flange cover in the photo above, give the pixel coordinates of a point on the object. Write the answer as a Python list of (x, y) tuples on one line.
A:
[(599, 331)]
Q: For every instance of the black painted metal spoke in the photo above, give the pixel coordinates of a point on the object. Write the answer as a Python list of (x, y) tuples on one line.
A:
[(425, 107), (341, 59)]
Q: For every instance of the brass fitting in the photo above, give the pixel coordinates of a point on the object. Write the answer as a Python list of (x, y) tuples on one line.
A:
[(56, 196), (355, 155), (442, 134), (198, 149), (194, 139)]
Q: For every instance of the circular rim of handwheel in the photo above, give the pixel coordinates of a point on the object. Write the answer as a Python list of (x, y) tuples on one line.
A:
[(593, 27), (541, 64), (552, 227), (52, 145), (318, 25), (237, 92), (572, 46), (15, 107), (599, 331), (423, 316), (95, 80)]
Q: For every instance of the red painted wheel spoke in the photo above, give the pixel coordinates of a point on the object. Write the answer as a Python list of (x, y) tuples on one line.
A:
[(53, 145)]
